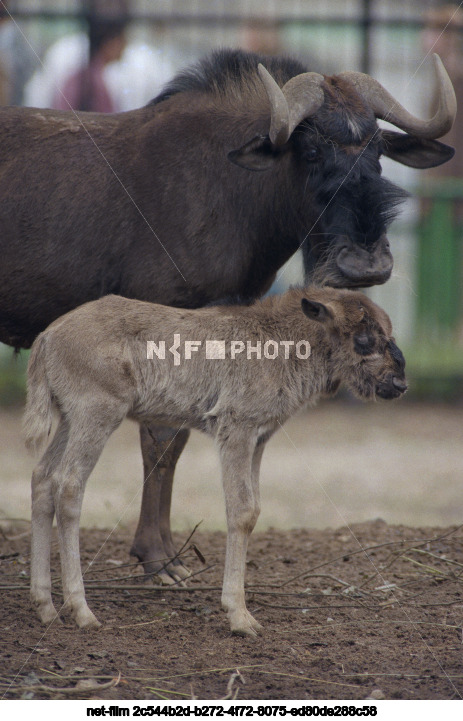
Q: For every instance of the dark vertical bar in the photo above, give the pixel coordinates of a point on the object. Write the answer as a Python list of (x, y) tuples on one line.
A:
[(366, 23)]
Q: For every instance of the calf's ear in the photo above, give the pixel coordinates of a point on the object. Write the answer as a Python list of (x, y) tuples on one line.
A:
[(316, 311), (415, 152), (257, 154)]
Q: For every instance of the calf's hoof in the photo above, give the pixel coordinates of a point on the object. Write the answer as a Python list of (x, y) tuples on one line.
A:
[(243, 624), (85, 619), (47, 613)]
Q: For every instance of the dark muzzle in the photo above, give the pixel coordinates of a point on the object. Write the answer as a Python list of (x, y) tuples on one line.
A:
[(391, 387), (359, 266)]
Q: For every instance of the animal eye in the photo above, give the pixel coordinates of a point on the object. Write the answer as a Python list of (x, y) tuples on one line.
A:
[(364, 344), (310, 155)]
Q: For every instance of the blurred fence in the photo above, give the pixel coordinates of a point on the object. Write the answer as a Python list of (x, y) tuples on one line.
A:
[(335, 33), (383, 38)]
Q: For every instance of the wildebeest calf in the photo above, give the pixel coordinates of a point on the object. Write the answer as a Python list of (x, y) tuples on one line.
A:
[(234, 372)]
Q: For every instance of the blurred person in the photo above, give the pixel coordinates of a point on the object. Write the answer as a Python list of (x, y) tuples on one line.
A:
[(86, 88), (131, 82), (140, 75), (17, 60)]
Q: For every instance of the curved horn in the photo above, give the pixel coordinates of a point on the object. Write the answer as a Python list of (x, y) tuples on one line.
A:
[(388, 108), (299, 98)]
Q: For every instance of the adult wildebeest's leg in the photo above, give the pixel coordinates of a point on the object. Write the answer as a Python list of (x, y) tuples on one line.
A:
[(240, 459), (152, 545), (87, 437), (43, 510)]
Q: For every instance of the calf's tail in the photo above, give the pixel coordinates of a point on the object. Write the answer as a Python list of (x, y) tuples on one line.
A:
[(38, 415)]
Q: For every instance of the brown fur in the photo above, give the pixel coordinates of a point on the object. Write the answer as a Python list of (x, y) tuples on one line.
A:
[(91, 365)]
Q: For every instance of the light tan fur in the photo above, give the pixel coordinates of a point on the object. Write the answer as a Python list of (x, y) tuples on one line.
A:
[(91, 366)]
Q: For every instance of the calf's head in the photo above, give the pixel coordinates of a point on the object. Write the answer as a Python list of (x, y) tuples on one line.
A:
[(359, 345), (323, 134)]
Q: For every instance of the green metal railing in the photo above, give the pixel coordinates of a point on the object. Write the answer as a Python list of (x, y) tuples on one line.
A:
[(440, 257), (435, 357)]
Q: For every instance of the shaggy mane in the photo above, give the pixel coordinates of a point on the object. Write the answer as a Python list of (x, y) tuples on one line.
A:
[(220, 70)]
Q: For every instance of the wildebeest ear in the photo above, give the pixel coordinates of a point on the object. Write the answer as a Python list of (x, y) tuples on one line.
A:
[(415, 152), (257, 154), (316, 311)]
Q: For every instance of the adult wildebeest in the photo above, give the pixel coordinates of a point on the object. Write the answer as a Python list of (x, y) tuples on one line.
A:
[(246, 372), (162, 204)]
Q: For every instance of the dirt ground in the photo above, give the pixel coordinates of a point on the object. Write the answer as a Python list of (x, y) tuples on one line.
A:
[(370, 608), (367, 610)]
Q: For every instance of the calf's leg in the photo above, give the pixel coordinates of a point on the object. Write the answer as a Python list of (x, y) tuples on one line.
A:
[(240, 476), (43, 510), (152, 545), (87, 437)]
